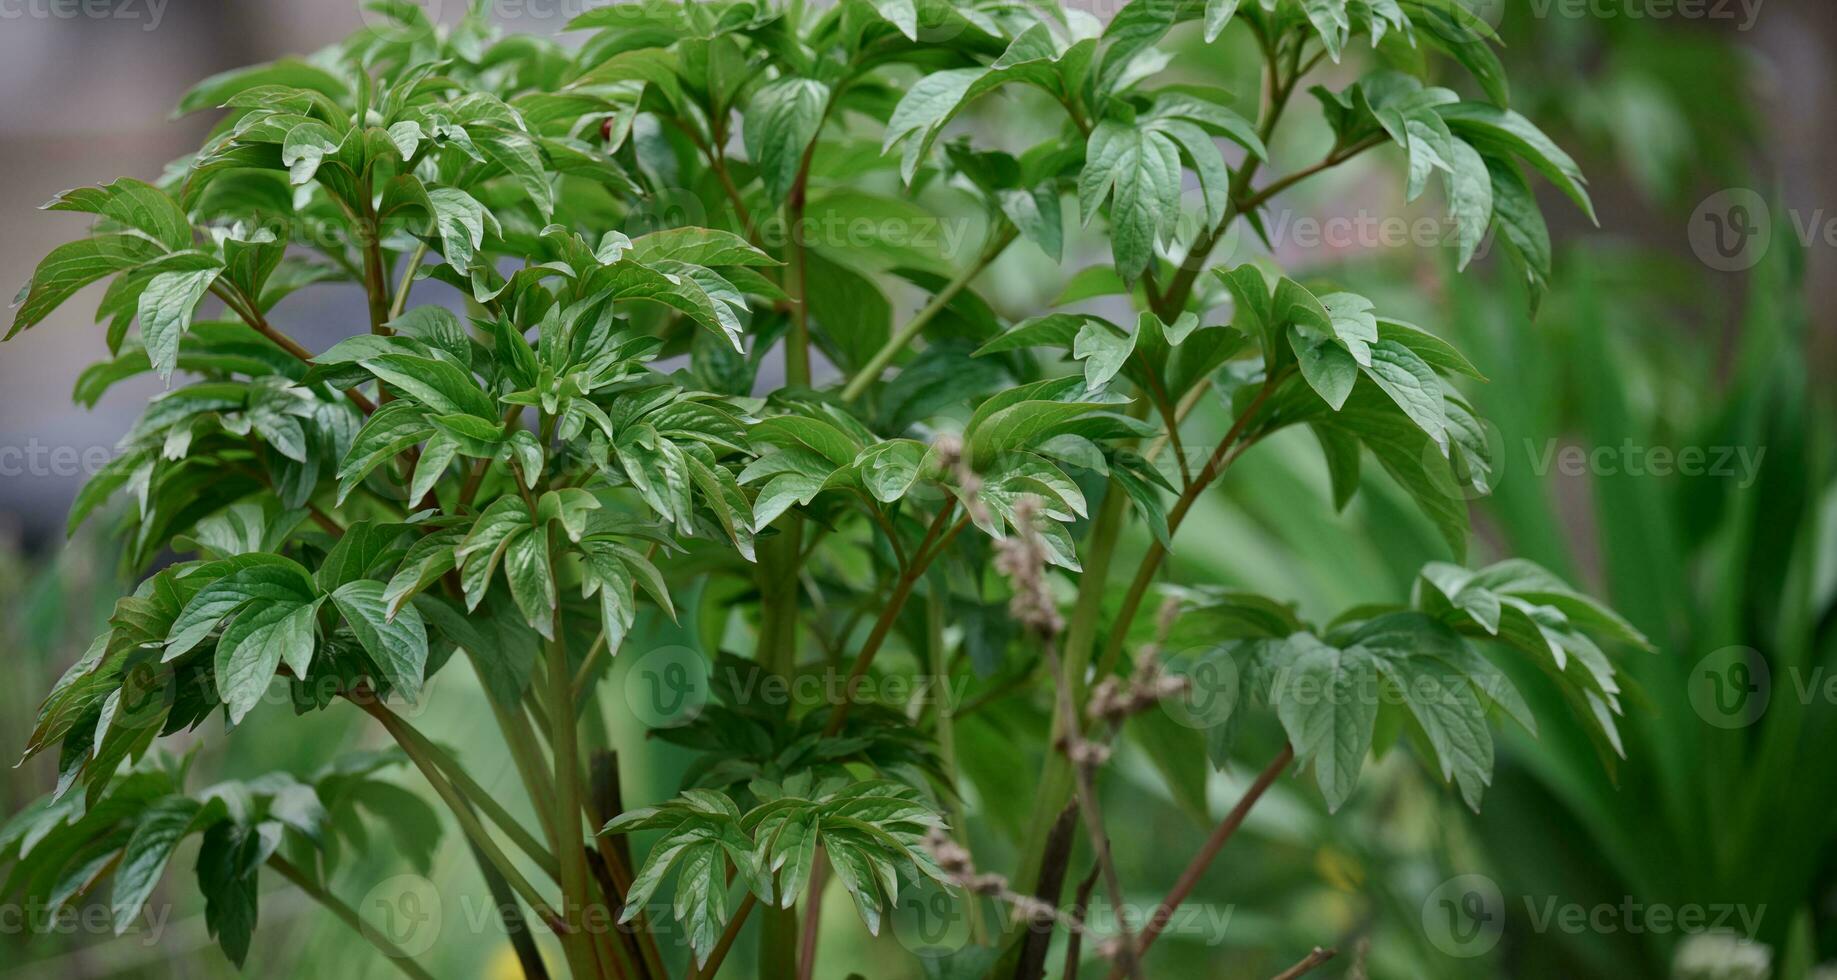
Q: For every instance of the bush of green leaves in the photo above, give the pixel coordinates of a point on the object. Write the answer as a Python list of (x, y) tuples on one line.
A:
[(562, 415)]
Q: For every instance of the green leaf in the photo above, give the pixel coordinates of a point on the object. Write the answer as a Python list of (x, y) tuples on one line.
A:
[(1521, 224), (1424, 660), (1470, 199), (1104, 350), (165, 312), (362, 547), (699, 246), (229, 860), (289, 72), (305, 148), (1052, 330), (1330, 22), (779, 127), (1019, 426), (1138, 171), (1038, 215), (1436, 352), (532, 580), (71, 267), (1326, 364), (1502, 131), (1326, 699), (461, 221), (256, 642), (1412, 384), (156, 835), (438, 384), (798, 430), (890, 469), (902, 14), (520, 158), (394, 428), (1218, 15), (398, 645), (134, 204)]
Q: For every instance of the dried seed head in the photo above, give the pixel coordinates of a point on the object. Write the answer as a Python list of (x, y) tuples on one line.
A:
[(1021, 557), (954, 860), (1031, 911), (955, 463), (1114, 701)]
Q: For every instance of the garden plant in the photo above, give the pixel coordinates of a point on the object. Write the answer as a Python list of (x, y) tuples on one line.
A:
[(678, 323)]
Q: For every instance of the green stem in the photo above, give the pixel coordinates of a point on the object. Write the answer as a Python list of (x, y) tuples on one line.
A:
[(1055, 783), (243, 307), (584, 675), (376, 278), (945, 730), (421, 747), (562, 743), (1189, 878), (468, 822), (532, 767), (779, 569), (896, 601), (348, 915), (408, 281), (715, 956), (797, 343), (1229, 448), (870, 372)]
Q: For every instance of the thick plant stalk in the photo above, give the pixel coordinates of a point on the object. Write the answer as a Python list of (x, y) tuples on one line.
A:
[(531, 767), (945, 727), (529, 957), (1085, 792), (778, 645), (348, 915), (605, 801), (1056, 859), (813, 917), (562, 743), (1055, 783)]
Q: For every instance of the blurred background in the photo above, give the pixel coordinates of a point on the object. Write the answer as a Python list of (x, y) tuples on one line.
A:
[(1693, 325)]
